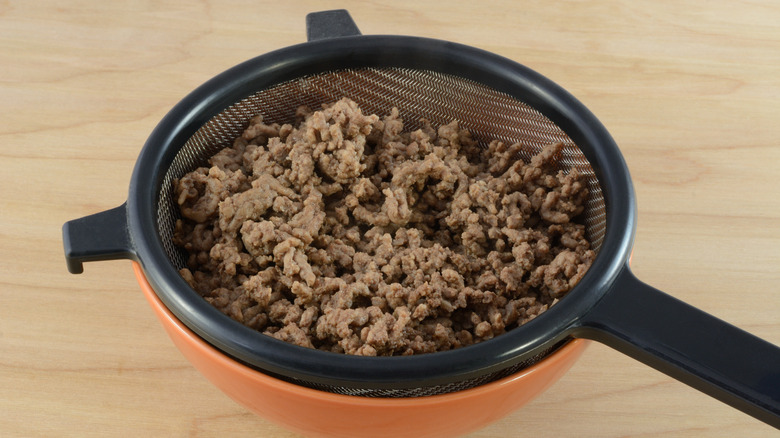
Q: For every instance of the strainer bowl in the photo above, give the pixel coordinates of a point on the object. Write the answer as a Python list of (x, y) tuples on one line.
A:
[(491, 96)]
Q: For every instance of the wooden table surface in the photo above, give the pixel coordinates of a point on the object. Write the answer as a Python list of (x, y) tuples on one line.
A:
[(689, 90)]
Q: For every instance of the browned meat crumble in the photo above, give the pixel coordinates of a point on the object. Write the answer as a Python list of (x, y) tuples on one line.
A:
[(347, 234)]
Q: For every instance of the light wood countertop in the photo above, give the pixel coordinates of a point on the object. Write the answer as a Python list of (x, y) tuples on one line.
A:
[(689, 90)]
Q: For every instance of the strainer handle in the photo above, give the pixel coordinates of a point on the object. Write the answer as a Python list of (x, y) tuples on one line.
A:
[(330, 24), (689, 345), (101, 236)]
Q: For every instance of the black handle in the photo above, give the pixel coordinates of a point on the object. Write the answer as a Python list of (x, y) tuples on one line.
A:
[(101, 236), (689, 345), (330, 24)]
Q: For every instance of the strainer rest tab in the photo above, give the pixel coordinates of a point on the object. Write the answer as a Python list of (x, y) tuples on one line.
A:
[(101, 236), (330, 24)]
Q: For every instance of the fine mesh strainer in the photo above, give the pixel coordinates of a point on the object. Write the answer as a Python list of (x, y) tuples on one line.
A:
[(494, 98)]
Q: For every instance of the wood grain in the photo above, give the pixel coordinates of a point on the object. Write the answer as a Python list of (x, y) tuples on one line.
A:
[(690, 91)]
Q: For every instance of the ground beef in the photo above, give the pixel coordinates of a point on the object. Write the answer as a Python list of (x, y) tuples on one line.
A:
[(345, 233)]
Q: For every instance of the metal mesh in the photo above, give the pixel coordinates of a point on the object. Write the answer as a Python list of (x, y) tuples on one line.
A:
[(424, 391), (439, 98)]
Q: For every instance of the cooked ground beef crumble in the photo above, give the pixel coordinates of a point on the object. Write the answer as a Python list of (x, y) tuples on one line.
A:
[(347, 234)]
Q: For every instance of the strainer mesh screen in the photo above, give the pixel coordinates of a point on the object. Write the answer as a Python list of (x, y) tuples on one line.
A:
[(440, 98), (424, 391)]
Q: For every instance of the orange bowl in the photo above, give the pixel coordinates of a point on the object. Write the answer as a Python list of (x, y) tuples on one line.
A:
[(323, 414)]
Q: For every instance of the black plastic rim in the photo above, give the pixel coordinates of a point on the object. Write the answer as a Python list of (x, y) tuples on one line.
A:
[(277, 357)]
